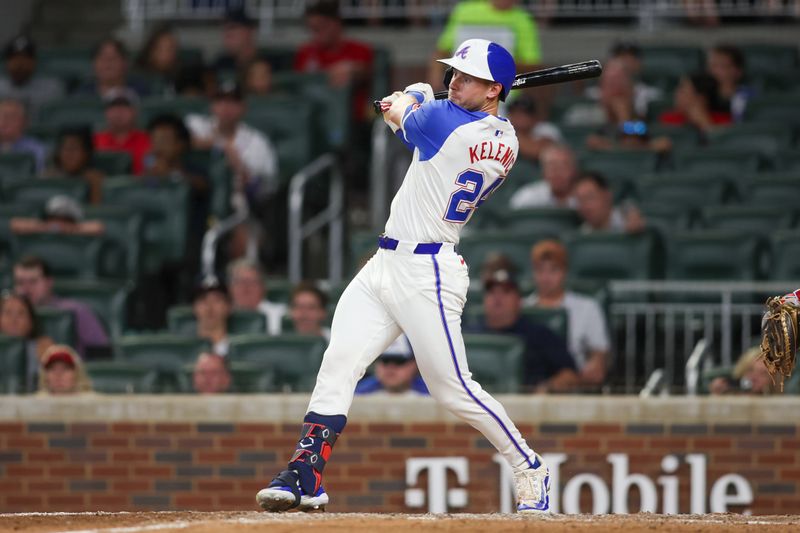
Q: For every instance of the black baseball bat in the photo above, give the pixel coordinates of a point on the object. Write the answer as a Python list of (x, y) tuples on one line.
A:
[(537, 78)]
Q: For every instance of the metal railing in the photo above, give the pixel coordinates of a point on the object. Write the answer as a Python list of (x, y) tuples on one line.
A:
[(208, 253), (657, 324), (332, 216)]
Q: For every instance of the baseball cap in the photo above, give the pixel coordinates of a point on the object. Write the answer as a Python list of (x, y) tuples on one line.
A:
[(208, 285), (549, 250), (121, 96), (21, 44), (229, 89), (240, 17), (62, 206), (59, 353), (398, 352), (498, 269)]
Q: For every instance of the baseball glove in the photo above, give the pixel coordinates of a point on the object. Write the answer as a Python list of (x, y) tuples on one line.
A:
[(779, 330)]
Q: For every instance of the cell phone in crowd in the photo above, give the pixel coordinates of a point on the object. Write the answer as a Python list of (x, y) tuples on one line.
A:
[(633, 127)]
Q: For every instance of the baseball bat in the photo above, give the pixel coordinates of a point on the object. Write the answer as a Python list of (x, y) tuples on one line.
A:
[(537, 78)]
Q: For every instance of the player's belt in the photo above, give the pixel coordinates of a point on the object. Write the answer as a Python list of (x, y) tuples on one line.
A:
[(422, 248)]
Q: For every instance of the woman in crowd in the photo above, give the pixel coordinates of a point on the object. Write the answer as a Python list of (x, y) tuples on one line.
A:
[(73, 158), (158, 58), (18, 319)]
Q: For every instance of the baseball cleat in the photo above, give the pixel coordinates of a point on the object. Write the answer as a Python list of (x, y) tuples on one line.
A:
[(533, 489), (284, 493)]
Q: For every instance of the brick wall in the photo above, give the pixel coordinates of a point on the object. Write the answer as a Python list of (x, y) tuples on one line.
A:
[(128, 465)]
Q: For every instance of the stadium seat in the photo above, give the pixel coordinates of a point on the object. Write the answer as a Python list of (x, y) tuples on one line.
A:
[(7, 212), (113, 163), (789, 161), (620, 168), (72, 111), (775, 109), (478, 247), (555, 319), (713, 255), (575, 135), (58, 324), (718, 162), (179, 105), (785, 251), (675, 60), (540, 220), (252, 378), (16, 166), (665, 217), (295, 359), (280, 289), (160, 349), (683, 193), (363, 244), (763, 57), (165, 208), (766, 139), (381, 72), (749, 220), (69, 255), (37, 192), (108, 300), (683, 137), (71, 65), (776, 192), (495, 361), (118, 377), (575, 110), (13, 365), (280, 57), (181, 321), (123, 235), (610, 256)]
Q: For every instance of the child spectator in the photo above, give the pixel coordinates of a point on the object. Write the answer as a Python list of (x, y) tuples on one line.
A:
[(62, 373)]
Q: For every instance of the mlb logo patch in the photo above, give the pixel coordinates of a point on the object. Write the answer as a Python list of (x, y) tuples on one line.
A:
[(498, 133)]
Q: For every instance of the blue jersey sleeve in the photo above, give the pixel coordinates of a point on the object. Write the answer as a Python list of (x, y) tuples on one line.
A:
[(427, 126)]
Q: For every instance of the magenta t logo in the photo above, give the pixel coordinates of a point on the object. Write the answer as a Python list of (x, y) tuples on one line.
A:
[(463, 52)]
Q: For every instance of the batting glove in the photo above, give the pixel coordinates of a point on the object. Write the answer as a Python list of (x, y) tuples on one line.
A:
[(423, 92)]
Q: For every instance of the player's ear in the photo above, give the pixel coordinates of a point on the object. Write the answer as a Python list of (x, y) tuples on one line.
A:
[(494, 90)]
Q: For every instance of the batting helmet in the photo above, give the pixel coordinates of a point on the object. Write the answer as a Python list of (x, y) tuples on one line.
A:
[(485, 60)]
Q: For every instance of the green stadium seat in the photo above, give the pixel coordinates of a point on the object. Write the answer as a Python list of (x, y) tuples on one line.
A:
[(179, 105), (69, 255), (190, 55), (7, 212), (575, 136), (113, 163), (683, 193), (58, 324), (541, 219), (672, 59), (123, 235), (495, 361), (766, 139), (478, 247), (181, 321), (775, 109), (620, 168), (279, 290), (280, 57), (363, 244), (569, 111), (108, 300), (161, 349), (165, 208), (118, 377), (381, 72), (749, 220), (718, 162), (713, 255), (295, 359), (775, 192), (785, 251), (70, 64), (16, 166), (763, 57), (288, 123), (13, 365), (789, 161), (72, 111), (555, 319), (252, 378), (665, 217), (610, 256), (683, 137), (38, 191)]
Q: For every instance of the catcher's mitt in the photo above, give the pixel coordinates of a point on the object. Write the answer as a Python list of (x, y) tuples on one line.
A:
[(779, 330)]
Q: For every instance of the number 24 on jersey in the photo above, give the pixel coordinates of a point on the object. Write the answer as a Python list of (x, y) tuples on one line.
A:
[(469, 195)]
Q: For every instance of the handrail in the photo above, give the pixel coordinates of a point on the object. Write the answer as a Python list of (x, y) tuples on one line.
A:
[(331, 216), (211, 237), (693, 366), (654, 382)]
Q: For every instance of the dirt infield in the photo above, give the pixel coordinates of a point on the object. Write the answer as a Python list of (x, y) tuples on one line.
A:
[(220, 522)]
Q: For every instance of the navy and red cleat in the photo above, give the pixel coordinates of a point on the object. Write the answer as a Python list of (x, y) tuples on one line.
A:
[(285, 493)]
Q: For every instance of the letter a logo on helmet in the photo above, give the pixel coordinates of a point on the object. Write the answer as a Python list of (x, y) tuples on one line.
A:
[(485, 60)]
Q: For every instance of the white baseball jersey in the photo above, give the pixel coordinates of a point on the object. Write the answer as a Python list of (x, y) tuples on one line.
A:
[(460, 158)]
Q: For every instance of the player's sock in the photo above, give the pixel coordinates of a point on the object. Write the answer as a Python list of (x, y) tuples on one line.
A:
[(314, 448)]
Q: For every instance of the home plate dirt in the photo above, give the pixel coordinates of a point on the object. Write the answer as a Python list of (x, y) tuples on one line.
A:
[(221, 522)]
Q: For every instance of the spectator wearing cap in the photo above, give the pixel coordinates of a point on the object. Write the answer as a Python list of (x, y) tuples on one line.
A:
[(62, 373), (73, 157), (211, 374), (586, 324), (534, 135), (396, 373), (21, 81), (559, 171), (596, 207), (239, 42), (18, 319), (62, 214), (547, 364), (34, 280), (110, 67), (308, 310), (348, 63), (13, 121), (212, 308), (121, 133), (249, 291)]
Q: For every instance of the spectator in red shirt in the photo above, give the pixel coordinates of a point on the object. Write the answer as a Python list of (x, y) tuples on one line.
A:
[(347, 62), (696, 104), (121, 134)]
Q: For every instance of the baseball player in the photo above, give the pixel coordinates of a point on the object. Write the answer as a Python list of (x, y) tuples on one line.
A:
[(416, 283)]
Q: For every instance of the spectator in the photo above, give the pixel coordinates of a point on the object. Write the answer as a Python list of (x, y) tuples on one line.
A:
[(211, 374), (508, 25), (159, 56), (629, 56), (726, 65), (534, 135), (238, 42), (308, 310), (248, 291), (62, 214), (586, 324), (62, 373), (749, 376), (121, 133), (73, 158), (348, 63), (34, 280), (110, 65), (258, 78), (248, 152), (555, 190), (547, 364), (13, 121), (18, 319), (212, 308), (596, 207), (396, 372), (21, 81), (696, 103)]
